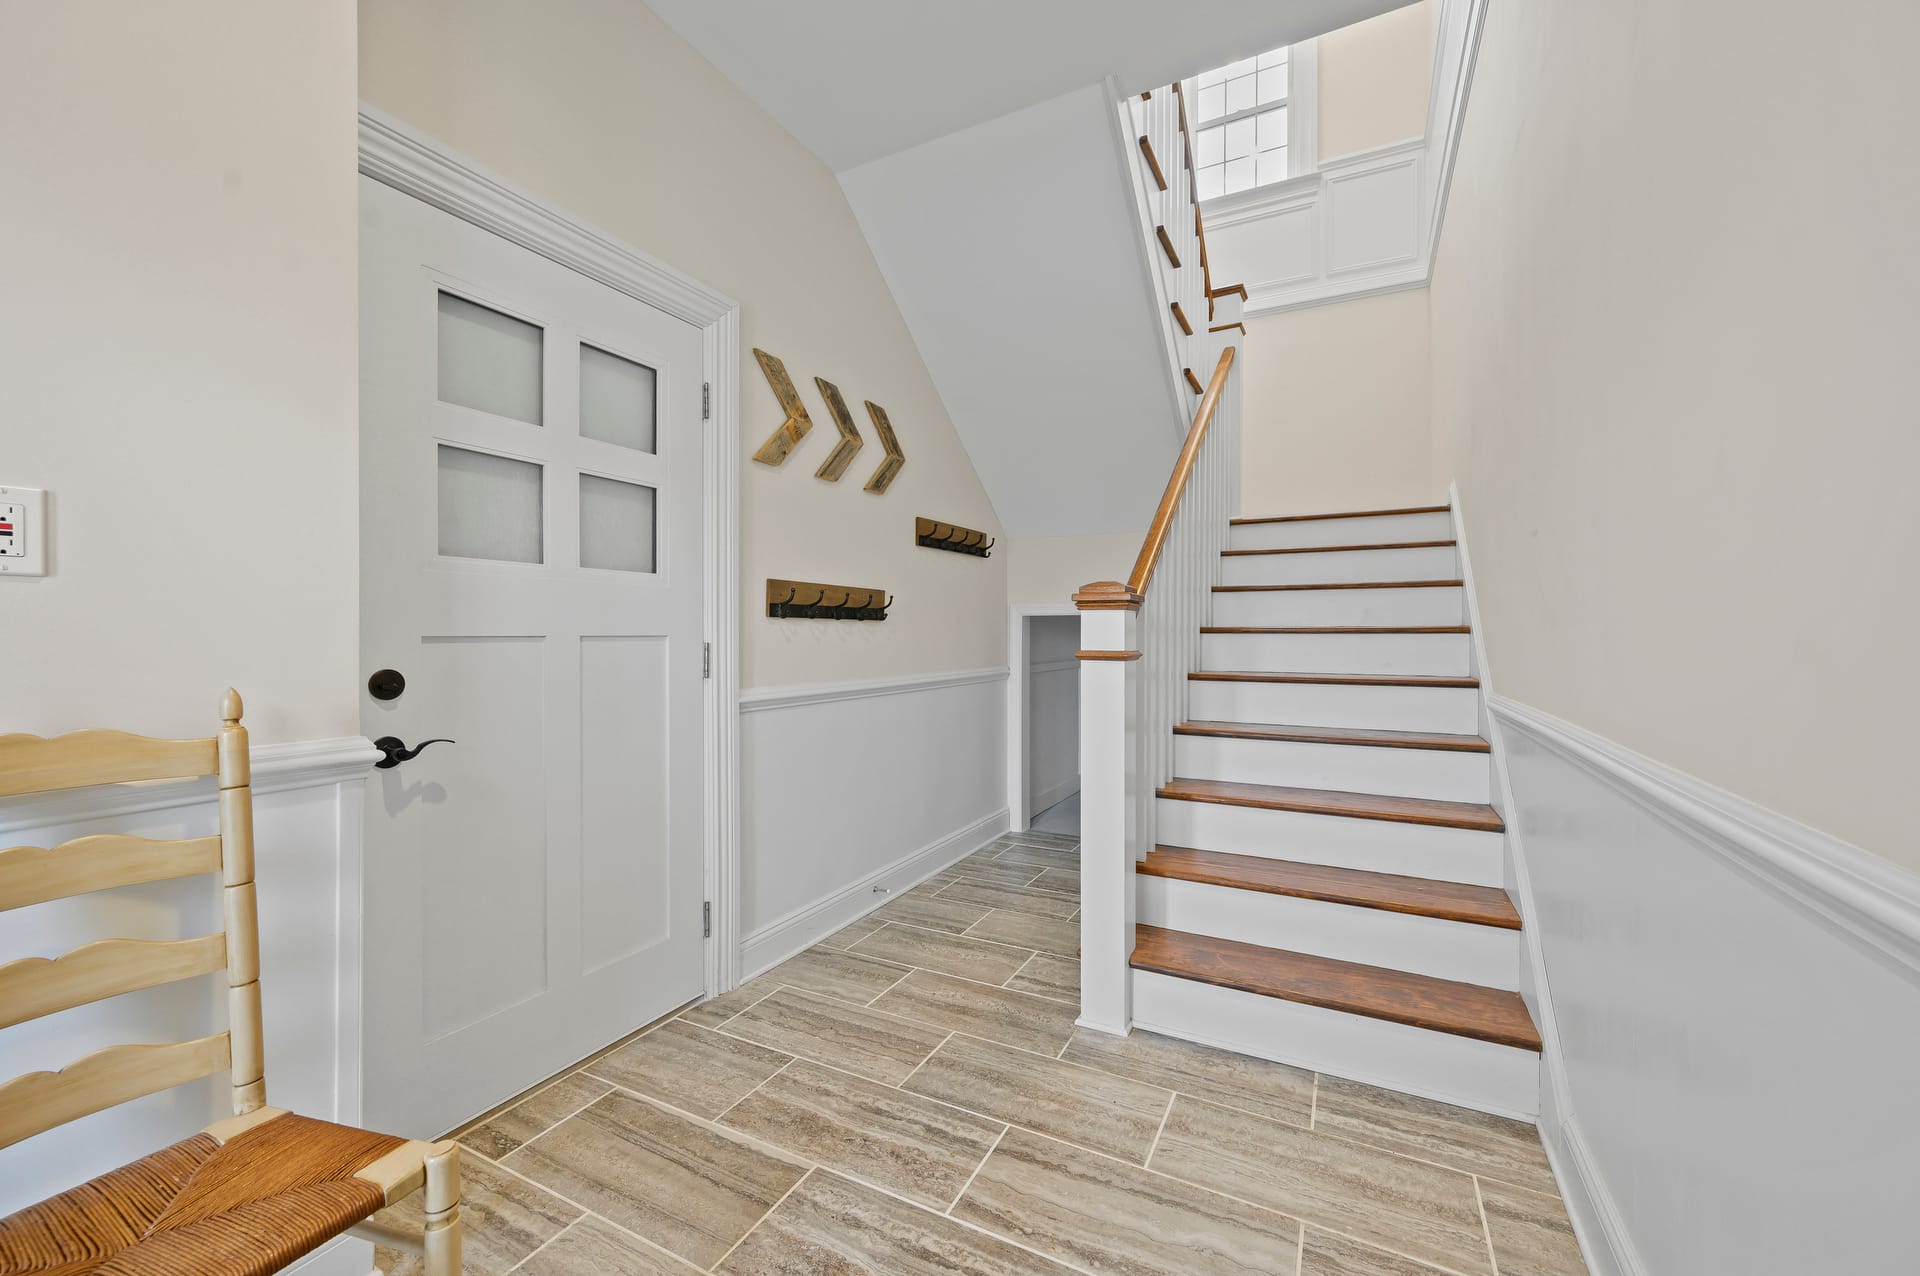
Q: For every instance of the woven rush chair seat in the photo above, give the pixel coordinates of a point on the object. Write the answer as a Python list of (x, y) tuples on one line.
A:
[(245, 1207)]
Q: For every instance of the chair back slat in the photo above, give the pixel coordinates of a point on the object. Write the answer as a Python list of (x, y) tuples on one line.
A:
[(33, 874), (36, 986), (41, 1100), (38, 764)]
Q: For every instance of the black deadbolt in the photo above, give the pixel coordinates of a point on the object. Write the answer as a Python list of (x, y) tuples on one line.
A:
[(386, 684)]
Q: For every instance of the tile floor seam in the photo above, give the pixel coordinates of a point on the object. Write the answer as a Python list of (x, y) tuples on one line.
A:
[(568, 1117), (542, 1245), (621, 1228), (955, 1202), (756, 1089), (982, 984), (741, 1239), (1158, 1130), (1313, 1102), (917, 1023), (1300, 1252), (905, 971), (944, 934), (914, 1094), (1486, 1228), (1404, 1156), (774, 1150), (902, 1086)]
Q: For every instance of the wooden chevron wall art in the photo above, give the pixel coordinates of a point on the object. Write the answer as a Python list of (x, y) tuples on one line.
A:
[(850, 441), (781, 443), (896, 459)]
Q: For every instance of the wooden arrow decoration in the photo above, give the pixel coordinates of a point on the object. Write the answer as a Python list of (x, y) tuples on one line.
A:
[(850, 441), (783, 440), (883, 477)]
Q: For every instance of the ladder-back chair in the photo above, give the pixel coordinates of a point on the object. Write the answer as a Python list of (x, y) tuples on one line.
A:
[(250, 1193)]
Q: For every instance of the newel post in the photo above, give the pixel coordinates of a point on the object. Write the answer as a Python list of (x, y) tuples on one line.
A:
[(1109, 770)]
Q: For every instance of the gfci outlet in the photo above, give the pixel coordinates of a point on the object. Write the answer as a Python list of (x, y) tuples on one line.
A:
[(23, 531)]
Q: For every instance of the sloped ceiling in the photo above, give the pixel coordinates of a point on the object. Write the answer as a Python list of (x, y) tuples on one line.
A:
[(856, 80)]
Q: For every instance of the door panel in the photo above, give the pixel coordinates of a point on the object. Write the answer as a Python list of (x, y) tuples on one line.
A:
[(531, 561)]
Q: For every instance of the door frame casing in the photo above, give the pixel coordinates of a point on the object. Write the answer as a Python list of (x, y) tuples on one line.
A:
[(1019, 669), (397, 155)]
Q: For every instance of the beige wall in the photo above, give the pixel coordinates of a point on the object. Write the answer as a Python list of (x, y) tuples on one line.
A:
[(1374, 78), (1049, 569), (1678, 389), (177, 321), (1337, 408), (598, 107)]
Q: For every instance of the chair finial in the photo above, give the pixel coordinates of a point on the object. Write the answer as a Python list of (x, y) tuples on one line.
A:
[(230, 707)]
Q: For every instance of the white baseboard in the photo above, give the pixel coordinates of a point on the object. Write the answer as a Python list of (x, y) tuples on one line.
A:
[(1604, 1240), (780, 939), (1056, 795)]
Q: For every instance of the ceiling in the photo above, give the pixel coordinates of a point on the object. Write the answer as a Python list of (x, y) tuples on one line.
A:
[(856, 80)]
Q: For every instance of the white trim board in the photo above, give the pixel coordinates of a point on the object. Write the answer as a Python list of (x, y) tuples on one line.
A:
[(393, 153), (276, 768), (804, 927), (1870, 900), (761, 699)]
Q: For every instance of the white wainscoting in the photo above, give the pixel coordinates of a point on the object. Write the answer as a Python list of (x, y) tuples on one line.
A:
[(307, 809), (1352, 228), (1736, 1010), (853, 792)]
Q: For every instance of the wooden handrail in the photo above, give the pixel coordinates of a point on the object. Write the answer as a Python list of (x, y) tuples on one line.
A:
[(1112, 595)]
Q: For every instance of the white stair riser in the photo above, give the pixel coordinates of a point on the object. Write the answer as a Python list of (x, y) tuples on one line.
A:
[(1350, 565), (1320, 704), (1484, 955), (1379, 846), (1446, 654), (1383, 529), (1445, 606), (1436, 1065), (1426, 773)]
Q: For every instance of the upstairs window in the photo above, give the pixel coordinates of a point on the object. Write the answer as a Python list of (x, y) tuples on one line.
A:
[(1242, 124)]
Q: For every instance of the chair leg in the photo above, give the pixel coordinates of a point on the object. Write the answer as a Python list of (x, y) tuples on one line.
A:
[(442, 1203)]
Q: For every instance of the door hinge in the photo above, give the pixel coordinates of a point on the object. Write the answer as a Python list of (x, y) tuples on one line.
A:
[(706, 400), (706, 660), (706, 920)]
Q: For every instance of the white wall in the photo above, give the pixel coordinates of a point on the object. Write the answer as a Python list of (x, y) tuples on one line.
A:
[(177, 340), (1338, 408), (1678, 393), (598, 107), (1053, 711), (1016, 250), (1374, 78), (1049, 569), (855, 792), (1732, 1088)]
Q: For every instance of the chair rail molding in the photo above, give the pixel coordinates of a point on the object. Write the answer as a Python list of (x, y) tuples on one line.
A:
[(1359, 224), (393, 153), (762, 699), (1870, 900)]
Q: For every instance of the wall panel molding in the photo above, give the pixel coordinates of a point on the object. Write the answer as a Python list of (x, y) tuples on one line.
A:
[(1873, 901), (761, 699)]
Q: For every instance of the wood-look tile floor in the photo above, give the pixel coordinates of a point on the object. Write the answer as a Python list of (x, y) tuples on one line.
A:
[(911, 1097)]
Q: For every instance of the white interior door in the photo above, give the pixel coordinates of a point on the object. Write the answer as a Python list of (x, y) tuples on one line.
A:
[(530, 478)]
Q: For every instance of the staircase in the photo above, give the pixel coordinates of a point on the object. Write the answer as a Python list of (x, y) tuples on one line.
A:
[(1325, 884), (1317, 879)]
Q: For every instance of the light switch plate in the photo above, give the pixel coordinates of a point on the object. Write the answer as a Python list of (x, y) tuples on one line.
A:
[(23, 531)]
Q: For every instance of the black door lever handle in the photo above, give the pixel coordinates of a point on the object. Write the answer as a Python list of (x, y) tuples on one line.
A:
[(394, 750)]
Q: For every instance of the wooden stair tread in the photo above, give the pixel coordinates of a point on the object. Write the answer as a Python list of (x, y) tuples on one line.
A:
[(1337, 679), (1335, 629), (1339, 549), (1312, 518), (1337, 735), (1353, 584), (1420, 1001), (1389, 892), (1360, 806)]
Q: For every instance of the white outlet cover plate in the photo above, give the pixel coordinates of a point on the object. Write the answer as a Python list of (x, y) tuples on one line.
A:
[(31, 532)]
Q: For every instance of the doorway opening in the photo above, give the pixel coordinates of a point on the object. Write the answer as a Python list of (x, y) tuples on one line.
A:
[(1043, 719)]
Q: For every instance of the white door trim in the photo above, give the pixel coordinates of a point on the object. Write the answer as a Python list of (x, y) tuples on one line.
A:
[(1019, 666), (397, 155)]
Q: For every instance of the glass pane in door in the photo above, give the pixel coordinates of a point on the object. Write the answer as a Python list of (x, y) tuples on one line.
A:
[(617, 399), (490, 506), (489, 361), (616, 524)]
